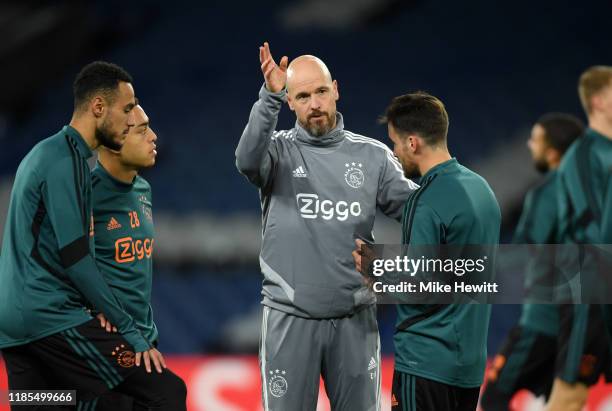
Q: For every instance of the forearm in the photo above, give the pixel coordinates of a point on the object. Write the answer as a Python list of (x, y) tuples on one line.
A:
[(252, 153), (88, 280)]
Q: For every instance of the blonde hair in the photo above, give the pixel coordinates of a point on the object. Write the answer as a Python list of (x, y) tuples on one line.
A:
[(591, 82)]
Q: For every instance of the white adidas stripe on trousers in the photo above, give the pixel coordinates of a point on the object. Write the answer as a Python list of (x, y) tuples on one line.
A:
[(262, 357), (262, 364)]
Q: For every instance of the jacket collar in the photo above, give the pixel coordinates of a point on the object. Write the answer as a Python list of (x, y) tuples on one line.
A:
[(80, 143), (334, 136)]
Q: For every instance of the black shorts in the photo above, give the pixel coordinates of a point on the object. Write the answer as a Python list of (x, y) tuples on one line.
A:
[(525, 361), (116, 401), (412, 393), (91, 361), (583, 346)]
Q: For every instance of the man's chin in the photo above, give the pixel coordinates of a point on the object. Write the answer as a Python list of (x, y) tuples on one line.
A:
[(411, 172), (541, 167), (114, 145), (412, 176), (318, 131)]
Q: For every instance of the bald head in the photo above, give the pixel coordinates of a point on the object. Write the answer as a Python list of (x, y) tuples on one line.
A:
[(312, 94), (307, 69)]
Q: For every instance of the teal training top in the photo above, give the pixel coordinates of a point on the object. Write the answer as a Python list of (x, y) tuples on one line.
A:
[(584, 207), (584, 188), (538, 225), (447, 343), (123, 221), (47, 270)]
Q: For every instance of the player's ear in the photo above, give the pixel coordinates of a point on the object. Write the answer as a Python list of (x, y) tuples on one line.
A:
[(596, 102), (335, 88), (290, 102), (413, 143), (552, 155), (98, 105)]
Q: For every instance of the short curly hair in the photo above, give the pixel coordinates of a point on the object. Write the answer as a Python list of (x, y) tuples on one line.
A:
[(98, 77)]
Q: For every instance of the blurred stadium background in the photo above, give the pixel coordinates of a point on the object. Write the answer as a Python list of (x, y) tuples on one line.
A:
[(496, 65)]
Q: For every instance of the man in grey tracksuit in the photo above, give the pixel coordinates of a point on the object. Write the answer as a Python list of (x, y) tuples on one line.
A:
[(320, 186)]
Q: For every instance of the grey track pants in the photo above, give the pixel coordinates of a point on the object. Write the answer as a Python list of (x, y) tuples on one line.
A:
[(294, 352)]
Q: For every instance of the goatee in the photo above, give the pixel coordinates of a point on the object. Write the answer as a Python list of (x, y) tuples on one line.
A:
[(541, 166), (411, 170), (319, 129), (106, 138)]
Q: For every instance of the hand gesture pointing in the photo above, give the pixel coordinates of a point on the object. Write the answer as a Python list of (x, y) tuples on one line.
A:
[(275, 75)]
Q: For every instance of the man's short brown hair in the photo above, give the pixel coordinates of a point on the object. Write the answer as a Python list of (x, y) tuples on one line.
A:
[(420, 114), (591, 82)]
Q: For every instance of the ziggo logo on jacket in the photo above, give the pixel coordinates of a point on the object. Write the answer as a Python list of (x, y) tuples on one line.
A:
[(311, 206), (127, 249)]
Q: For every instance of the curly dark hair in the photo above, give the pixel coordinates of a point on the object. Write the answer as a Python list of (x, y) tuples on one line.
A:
[(98, 77)]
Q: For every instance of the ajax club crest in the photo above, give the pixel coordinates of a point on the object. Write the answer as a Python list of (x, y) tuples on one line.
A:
[(353, 175), (277, 384), (125, 357)]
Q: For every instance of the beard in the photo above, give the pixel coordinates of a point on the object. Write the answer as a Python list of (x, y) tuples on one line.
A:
[(411, 170), (107, 137), (318, 128), (541, 165)]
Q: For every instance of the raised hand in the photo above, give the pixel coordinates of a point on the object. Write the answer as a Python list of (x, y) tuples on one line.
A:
[(275, 75)]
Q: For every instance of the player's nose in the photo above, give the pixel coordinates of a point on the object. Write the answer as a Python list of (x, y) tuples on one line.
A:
[(315, 103)]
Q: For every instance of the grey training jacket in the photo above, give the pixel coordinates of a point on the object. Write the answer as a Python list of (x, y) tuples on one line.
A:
[(317, 195)]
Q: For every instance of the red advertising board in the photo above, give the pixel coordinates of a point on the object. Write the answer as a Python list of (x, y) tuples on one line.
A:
[(232, 383)]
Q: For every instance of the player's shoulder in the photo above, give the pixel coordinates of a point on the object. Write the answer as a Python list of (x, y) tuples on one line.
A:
[(568, 161), (543, 199), (601, 155), (367, 143), (465, 180), (50, 157), (142, 190), (141, 184), (454, 175), (463, 185), (60, 145), (54, 147), (547, 187)]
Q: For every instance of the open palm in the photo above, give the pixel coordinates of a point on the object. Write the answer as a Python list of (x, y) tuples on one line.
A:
[(274, 75)]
